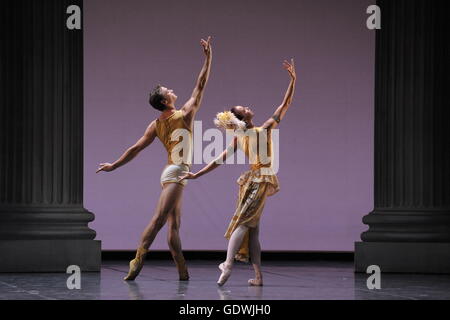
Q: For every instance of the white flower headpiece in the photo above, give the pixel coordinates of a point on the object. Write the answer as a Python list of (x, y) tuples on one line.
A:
[(227, 120)]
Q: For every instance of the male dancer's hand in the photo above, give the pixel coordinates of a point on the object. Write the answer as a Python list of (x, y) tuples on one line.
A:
[(191, 106), (290, 67), (107, 167), (206, 44)]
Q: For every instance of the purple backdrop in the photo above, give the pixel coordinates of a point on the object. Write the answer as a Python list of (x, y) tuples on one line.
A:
[(326, 141)]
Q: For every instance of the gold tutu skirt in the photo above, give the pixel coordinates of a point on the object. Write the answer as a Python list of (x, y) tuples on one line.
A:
[(254, 187)]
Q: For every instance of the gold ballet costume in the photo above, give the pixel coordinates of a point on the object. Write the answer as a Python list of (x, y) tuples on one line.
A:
[(178, 159), (255, 186)]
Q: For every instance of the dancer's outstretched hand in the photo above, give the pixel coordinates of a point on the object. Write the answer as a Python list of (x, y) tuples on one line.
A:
[(105, 167), (290, 67), (187, 175), (206, 44)]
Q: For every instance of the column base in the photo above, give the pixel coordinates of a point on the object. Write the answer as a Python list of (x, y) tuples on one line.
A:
[(412, 257), (49, 255)]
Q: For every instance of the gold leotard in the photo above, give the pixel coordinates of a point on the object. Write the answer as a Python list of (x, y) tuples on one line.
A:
[(172, 132)]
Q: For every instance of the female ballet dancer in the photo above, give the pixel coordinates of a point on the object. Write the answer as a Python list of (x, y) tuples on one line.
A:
[(254, 185)]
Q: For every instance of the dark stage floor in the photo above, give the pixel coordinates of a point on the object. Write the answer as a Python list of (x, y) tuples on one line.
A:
[(283, 281)]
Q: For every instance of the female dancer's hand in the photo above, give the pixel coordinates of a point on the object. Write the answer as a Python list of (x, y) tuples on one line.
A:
[(187, 175), (106, 167)]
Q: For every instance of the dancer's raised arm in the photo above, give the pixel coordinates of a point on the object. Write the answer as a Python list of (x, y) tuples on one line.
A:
[(193, 104), (132, 152), (282, 109), (213, 164)]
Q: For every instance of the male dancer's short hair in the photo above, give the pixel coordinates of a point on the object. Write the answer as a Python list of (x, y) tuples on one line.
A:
[(156, 99)]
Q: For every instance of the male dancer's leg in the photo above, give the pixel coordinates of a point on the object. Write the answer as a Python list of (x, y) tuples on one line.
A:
[(170, 195), (255, 256), (174, 241), (167, 201)]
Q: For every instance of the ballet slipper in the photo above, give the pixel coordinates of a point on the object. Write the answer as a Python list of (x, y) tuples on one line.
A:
[(226, 272), (136, 264), (255, 282)]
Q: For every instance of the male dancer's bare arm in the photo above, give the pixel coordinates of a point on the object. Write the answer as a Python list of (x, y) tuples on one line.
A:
[(193, 104), (282, 109), (132, 152), (213, 164)]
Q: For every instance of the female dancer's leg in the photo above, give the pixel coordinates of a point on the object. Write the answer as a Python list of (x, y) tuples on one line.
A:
[(255, 256), (233, 246)]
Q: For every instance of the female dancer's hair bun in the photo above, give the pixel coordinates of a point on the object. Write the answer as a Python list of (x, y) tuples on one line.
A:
[(227, 120)]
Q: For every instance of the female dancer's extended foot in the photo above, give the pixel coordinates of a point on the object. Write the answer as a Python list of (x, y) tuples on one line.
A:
[(226, 272), (136, 264), (255, 282)]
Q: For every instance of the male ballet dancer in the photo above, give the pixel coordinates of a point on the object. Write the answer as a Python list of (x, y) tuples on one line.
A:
[(168, 208)]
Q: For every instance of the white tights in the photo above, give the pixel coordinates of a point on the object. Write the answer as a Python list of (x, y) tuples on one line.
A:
[(254, 246)]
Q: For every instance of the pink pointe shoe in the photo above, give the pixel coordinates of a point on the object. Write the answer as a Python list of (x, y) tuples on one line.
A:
[(226, 272)]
